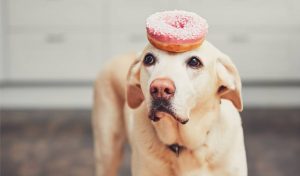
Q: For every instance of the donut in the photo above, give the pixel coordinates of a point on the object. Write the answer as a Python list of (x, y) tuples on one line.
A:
[(176, 31)]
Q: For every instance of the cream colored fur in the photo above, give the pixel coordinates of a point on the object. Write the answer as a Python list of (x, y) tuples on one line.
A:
[(213, 136)]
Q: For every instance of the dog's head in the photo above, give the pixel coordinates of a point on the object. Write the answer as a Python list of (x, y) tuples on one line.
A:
[(174, 84)]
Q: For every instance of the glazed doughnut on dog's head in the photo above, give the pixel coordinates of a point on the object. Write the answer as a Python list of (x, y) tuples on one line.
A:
[(176, 31)]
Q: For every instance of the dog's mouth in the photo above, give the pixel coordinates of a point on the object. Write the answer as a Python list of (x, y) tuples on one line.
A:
[(161, 106)]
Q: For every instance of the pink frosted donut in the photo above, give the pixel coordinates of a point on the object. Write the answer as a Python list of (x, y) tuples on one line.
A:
[(176, 31)]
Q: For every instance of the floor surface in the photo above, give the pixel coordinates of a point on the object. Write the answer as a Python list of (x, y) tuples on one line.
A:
[(59, 142)]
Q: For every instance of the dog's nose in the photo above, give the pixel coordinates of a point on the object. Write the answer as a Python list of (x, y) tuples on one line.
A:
[(162, 88)]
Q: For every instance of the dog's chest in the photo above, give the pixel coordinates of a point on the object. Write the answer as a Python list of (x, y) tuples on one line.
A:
[(190, 163), (201, 156), (151, 143), (192, 136)]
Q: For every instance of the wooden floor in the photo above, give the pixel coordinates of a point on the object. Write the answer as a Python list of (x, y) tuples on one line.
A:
[(59, 142)]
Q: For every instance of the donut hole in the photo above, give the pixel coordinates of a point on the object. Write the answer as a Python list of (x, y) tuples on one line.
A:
[(178, 22)]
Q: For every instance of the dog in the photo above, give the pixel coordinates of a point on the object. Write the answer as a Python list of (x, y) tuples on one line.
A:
[(179, 112)]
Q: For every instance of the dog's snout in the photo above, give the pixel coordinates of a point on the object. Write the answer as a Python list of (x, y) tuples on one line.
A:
[(162, 88)]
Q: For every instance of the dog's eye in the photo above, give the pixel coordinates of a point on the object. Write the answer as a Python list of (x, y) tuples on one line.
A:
[(149, 59), (194, 62)]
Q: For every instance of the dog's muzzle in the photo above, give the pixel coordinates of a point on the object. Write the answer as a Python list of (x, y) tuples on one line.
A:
[(163, 105)]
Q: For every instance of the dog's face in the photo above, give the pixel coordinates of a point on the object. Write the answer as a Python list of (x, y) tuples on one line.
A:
[(175, 84)]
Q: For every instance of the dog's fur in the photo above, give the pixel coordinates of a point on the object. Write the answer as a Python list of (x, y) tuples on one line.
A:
[(209, 98)]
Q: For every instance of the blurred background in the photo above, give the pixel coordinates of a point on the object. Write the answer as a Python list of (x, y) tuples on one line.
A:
[(52, 50)]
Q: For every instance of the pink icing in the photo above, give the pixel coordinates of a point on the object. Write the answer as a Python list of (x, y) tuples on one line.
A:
[(178, 27)]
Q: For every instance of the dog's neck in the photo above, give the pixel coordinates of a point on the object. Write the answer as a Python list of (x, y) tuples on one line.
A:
[(201, 122)]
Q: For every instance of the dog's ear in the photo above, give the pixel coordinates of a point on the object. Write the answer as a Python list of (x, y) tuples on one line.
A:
[(229, 82), (134, 92)]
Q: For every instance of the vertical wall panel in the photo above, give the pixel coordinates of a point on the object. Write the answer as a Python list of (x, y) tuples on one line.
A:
[(1, 42)]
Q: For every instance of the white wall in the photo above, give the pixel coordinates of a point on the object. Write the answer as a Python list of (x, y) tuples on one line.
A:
[(56, 48), (1, 43)]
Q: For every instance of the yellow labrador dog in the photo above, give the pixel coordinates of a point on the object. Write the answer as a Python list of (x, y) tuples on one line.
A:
[(179, 112)]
